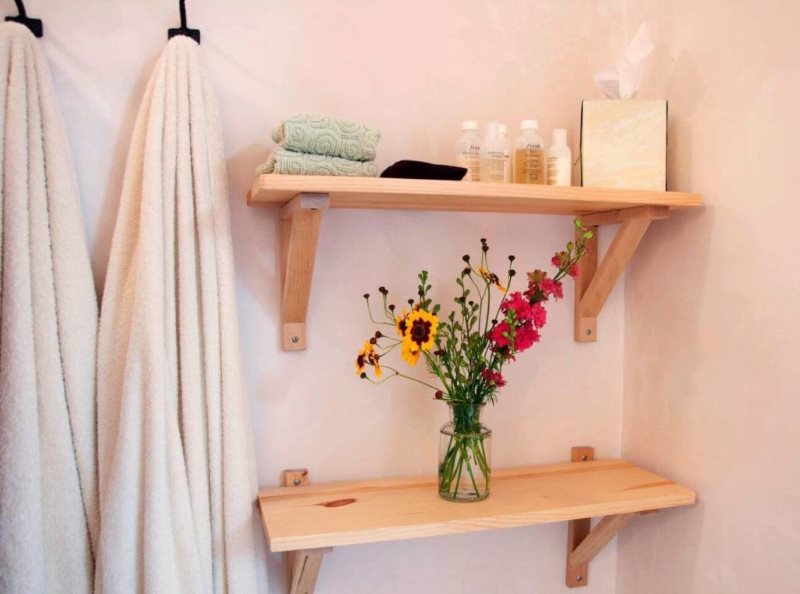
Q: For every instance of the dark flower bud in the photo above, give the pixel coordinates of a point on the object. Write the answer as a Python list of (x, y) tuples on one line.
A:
[(366, 295), (373, 340), (439, 395), (512, 272), (378, 334), (465, 257), (483, 240), (363, 376), (391, 307), (512, 258), (411, 302), (420, 292), (439, 353), (383, 290), (485, 248)]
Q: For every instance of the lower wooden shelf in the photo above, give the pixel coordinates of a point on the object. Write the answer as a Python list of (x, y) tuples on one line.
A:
[(310, 519)]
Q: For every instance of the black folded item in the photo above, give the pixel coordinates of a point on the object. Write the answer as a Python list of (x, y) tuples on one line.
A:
[(422, 170)]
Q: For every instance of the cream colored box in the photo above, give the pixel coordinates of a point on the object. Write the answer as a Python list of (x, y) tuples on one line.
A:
[(624, 144)]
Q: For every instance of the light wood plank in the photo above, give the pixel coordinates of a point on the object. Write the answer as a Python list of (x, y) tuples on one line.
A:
[(614, 217), (598, 538), (396, 509), (413, 194), (585, 327), (299, 233), (620, 251), (304, 569), (578, 530)]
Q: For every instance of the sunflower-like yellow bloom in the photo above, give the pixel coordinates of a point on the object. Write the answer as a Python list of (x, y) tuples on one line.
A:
[(410, 352), (491, 277), (420, 329), (401, 323), (368, 356)]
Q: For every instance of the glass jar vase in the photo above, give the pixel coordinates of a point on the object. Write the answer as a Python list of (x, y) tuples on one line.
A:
[(464, 455)]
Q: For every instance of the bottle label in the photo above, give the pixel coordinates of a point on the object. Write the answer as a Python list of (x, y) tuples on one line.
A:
[(493, 167), (471, 161), (529, 165), (559, 172)]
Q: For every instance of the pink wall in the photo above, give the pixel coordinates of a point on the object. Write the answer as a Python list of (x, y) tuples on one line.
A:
[(712, 307), (415, 69)]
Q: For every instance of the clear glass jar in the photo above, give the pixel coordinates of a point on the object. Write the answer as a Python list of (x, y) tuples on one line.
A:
[(465, 454)]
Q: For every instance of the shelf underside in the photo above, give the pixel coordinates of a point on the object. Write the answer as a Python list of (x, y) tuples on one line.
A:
[(335, 514), (412, 194)]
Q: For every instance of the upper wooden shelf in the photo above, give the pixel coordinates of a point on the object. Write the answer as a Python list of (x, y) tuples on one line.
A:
[(302, 199), (413, 194), (327, 515)]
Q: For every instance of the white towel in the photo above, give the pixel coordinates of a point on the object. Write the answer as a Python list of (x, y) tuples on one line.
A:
[(48, 328), (176, 460)]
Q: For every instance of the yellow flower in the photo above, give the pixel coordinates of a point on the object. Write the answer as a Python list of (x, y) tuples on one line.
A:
[(410, 352), (421, 329), (491, 277), (368, 356), (401, 323)]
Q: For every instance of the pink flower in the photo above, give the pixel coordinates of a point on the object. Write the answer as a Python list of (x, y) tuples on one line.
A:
[(520, 306), (556, 260), (574, 271), (551, 288), (525, 337), (499, 336), (494, 378), (538, 315)]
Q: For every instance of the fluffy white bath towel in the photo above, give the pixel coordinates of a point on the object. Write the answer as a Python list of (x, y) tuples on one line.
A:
[(48, 328), (177, 472)]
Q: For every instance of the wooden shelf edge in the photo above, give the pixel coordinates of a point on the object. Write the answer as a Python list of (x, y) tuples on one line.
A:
[(311, 497), (280, 545), (315, 518), (271, 190)]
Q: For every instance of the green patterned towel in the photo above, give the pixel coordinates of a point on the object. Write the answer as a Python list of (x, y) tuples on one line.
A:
[(292, 163), (327, 135)]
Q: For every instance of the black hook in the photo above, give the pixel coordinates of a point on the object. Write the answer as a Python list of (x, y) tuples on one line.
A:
[(183, 29), (35, 25)]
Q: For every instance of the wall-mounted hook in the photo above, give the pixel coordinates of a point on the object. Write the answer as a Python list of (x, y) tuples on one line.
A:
[(35, 25), (183, 29)]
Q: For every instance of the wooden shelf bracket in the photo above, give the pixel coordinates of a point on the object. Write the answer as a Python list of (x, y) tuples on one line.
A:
[(595, 282), (585, 542), (299, 234), (302, 566)]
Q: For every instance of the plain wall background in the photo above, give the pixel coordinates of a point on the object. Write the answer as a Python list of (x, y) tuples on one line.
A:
[(415, 69), (712, 307)]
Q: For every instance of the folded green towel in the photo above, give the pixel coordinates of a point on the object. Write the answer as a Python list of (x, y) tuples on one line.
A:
[(327, 135), (292, 163)]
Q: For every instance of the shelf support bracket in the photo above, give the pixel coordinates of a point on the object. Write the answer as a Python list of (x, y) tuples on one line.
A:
[(303, 566), (578, 559), (585, 542), (595, 282), (299, 233)]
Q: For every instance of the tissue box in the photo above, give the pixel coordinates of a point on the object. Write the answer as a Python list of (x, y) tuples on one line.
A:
[(624, 144)]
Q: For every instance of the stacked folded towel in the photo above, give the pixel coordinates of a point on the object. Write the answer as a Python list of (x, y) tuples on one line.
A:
[(323, 145)]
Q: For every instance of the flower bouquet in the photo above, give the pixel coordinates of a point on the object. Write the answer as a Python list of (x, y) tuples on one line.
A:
[(466, 352)]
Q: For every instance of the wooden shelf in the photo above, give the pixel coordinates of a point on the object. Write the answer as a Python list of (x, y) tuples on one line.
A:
[(417, 194), (312, 517), (303, 198)]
